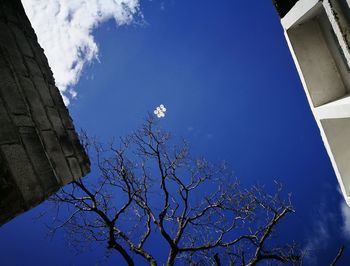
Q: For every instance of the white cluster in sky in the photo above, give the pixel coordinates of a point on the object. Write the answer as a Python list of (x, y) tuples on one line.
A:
[(64, 29), (160, 111)]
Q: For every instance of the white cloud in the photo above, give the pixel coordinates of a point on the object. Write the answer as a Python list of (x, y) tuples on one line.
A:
[(64, 29), (319, 234), (324, 229), (345, 211)]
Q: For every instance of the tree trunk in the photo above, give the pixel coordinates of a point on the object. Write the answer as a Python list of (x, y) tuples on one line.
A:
[(125, 255), (172, 256)]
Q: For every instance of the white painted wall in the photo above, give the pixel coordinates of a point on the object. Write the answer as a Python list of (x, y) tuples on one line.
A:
[(318, 35)]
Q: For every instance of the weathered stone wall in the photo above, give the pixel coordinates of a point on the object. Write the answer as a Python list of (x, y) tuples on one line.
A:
[(39, 148)]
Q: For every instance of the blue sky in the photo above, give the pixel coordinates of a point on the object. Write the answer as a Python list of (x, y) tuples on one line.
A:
[(226, 76)]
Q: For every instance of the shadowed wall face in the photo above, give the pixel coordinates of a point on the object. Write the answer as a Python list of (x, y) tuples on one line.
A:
[(39, 148)]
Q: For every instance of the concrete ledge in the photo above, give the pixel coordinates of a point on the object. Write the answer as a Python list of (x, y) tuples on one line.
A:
[(336, 109), (302, 10), (339, 25)]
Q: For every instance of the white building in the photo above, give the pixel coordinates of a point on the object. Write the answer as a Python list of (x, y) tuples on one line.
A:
[(318, 36)]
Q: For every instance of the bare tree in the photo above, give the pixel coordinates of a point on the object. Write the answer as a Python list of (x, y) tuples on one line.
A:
[(149, 188)]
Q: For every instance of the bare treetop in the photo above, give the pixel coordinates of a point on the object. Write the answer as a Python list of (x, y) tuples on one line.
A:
[(149, 186)]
